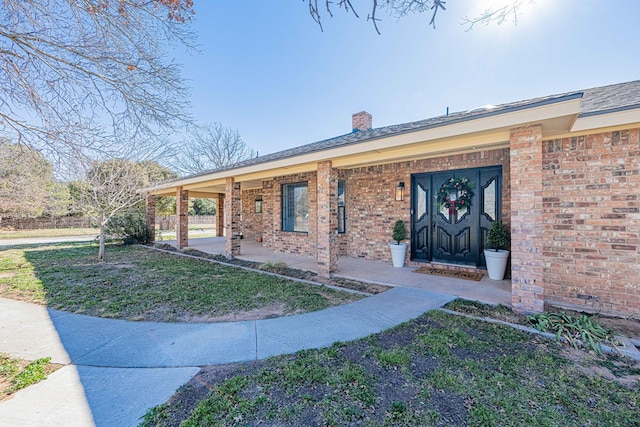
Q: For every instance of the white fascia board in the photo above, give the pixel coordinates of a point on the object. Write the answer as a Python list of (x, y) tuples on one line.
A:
[(598, 121)]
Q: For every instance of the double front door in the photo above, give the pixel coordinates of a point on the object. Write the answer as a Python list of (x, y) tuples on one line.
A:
[(451, 212)]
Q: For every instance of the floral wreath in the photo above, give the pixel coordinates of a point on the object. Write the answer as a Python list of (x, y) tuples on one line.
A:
[(463, 189)]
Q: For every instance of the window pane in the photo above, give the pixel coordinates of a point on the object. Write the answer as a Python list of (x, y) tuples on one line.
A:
[(489, 200), (341, 219), (421, 203), (295, 207), (301, 209), (341, 209)]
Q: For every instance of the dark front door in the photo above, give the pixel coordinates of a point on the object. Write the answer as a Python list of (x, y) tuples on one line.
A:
[(451, 213)]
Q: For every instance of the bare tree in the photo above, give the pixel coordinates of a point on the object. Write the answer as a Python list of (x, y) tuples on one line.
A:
[(211, 146), (401, 8), (499, 15), (76, 73), (107, 187)]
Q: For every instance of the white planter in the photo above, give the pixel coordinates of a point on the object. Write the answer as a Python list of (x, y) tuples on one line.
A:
[(398, 252), (496, 263)]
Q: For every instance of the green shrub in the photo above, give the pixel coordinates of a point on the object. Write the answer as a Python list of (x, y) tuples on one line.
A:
[(278, 267), (130, 226), (571, 328), (399, 231), (497, 236)]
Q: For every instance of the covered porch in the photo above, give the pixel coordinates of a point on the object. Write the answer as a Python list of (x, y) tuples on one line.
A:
[(486, 290), (330, 206)]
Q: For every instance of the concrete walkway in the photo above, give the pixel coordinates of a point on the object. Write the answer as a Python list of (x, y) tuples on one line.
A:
[(116, 370)]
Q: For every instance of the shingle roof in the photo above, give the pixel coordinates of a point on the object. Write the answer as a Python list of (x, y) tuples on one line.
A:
[(609, 99), (594, 101)]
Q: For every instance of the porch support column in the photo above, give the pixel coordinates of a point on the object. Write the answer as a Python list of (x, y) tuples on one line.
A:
[(527, 226), (232, 226), (182, 212), (268, 212), (151, 218), (220, 215), (327, 211)]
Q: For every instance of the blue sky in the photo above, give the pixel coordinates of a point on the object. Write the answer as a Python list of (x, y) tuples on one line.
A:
[(268, 71)]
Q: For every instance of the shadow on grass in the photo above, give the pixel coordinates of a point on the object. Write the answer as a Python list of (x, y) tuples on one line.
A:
[(126, 367), (138, 284)]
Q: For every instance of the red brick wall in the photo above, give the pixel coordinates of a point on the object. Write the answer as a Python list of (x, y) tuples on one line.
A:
[(327, 207), (303, 244), (371, 206), (251, 221), (592, 221), (527, 277), (268, 210), (182, 212), (232, 223)]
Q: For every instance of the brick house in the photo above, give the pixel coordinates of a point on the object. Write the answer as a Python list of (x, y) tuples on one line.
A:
[(562, 171)]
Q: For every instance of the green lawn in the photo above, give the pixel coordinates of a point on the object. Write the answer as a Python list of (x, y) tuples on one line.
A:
[(49, 232), (440, 370), (16, 374), (138, 283)]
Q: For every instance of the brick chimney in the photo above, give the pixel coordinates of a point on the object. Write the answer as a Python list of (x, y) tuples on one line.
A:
[(361, 121)]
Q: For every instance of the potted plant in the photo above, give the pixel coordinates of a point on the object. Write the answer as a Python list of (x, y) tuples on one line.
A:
[(398, 250), (495, 252)]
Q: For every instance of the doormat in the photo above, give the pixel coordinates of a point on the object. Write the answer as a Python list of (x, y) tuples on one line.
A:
[(456, 274)]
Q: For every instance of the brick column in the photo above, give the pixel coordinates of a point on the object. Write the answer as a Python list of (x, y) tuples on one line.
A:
[(182, 212), (232, 226), (268, 206), (527, 226), (220, 215), (151, 217), (327, 214)]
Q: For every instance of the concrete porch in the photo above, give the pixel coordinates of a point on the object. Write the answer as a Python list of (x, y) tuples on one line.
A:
[(486, 290)]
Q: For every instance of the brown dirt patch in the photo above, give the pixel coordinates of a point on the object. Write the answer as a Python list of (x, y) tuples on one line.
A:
[(456, 274), (122, 265), (266, 312), (624, 371)]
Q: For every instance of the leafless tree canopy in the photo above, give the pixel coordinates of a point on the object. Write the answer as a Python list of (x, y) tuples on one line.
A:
[(211, 146), (399, 8), (74, 74), (107, 188)]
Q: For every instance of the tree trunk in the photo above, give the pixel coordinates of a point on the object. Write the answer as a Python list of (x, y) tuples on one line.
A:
[(102, 239)]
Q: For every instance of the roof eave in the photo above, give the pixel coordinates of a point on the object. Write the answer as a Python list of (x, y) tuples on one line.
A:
[(510, 118), (606, 119)]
